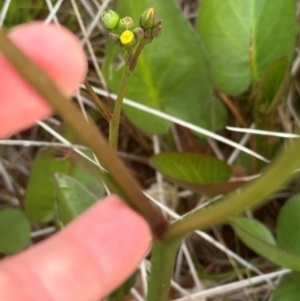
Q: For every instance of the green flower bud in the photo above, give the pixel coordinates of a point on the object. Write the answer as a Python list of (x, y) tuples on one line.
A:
[(124, 24), (110, 19), (148, 36), (115, 38), (147, 19), (156, 30), (127, 39), (138, 33)]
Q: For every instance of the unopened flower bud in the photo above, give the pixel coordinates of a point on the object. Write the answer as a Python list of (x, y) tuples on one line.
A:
[(147, 20), (127, 39), (138, 33), (115, 38), (148, 36), (110, 19), (124, 24), (156, 30)]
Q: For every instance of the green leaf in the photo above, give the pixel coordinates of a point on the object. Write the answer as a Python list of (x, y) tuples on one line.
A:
[(209, 190), (258, 238), (40, 194), (197, 172), (171, 75), (288, 289), (86, 179), (288, 225), (72, 198), (254, 228), (244, 37), (274, 32), (24, 12), (39, 199), (270, 88), (14, 231), (192, 167), (77, 170)]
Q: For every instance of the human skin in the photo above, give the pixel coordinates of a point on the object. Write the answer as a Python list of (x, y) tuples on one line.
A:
[(100, 249)]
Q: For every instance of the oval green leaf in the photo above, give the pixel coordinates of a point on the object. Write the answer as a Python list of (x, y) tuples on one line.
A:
[(255, 228), (268, 91), (72, 198), (193, 168), (39, 199), (14, 231), (288, 289), (244, 37), (288, 225), (40, 194), (171, 75), (258, 238)]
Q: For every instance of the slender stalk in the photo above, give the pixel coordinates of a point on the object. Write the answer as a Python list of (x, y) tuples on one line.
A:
[(136, 56), (88, 132), (115, 121), (130, 63), (254, 194), (163, 259), (102, 108), (275, 176)]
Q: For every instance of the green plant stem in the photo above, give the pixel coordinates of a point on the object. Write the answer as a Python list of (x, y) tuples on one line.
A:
[(131, 61), (136, 55), (254, 194), (89, 133), (273, 178), (163, 259), (102, 108), (115, 121)]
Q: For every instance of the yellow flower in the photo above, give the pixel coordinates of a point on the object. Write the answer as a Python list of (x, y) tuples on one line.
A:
[(127, 38)]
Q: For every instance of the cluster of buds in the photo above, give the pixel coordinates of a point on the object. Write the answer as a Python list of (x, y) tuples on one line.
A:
[(124, 32)]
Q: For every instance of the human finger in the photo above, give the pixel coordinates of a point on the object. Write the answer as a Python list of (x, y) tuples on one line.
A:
[(58, 53), (83, 262)]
